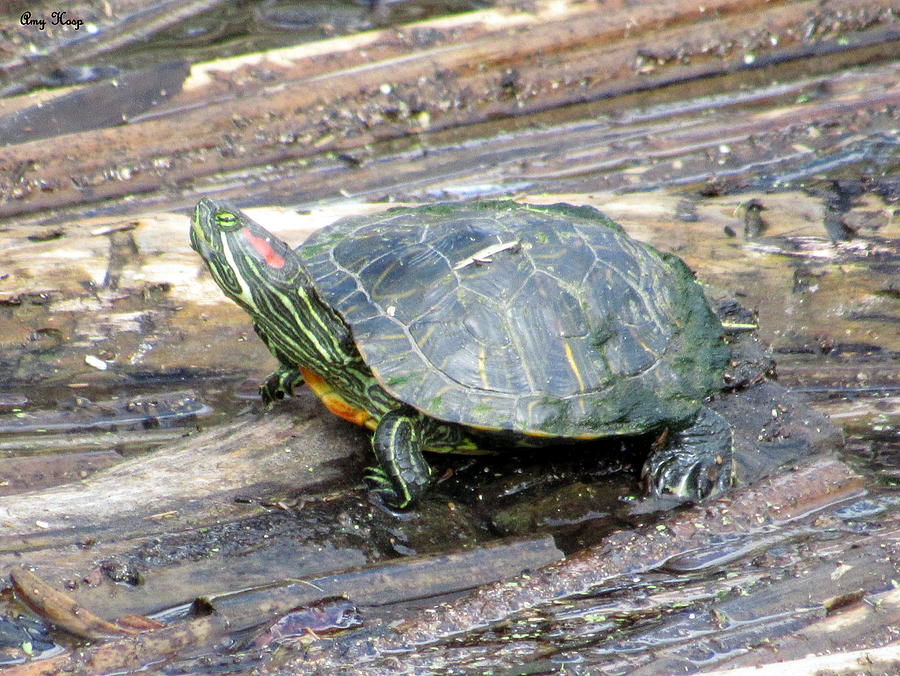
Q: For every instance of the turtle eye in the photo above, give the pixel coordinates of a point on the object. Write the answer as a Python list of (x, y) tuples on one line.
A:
[(227, 220)]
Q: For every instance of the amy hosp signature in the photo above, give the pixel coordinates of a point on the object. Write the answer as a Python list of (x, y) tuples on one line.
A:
[(56, 19)]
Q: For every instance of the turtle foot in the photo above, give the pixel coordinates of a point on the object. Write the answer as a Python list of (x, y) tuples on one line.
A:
[(280, 384), (382, 491), (402, 468), (696, 463)]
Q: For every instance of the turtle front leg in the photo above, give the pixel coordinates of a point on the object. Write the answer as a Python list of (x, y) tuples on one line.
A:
[(281, 383), (402, 475), (697, 461)]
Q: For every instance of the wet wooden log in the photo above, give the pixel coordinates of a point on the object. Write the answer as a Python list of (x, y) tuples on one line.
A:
[(411, 578), (60, 610), (621, 558), (156, 493), (873, 661), (393, 582), (341, 95), (744, 611), (33, 473), (867, 621), (132, 653), (813, 486), (828, 606), (85, 30)]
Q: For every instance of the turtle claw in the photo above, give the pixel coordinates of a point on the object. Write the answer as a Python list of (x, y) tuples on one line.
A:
[(279, 384), (269, 392), (386, 500), (697, 462), (382, 490), (683, 476)]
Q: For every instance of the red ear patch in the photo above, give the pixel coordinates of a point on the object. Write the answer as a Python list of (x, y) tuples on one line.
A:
[(264, 249)]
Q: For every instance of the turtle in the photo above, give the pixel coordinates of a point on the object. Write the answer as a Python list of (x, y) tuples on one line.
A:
[(471, 327)]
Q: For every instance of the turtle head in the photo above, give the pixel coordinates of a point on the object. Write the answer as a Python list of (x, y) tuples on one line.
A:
[(264, 276), (246, 260)]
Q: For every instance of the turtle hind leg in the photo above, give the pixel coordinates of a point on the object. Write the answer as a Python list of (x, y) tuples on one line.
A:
[(403, 474), (697, 461)]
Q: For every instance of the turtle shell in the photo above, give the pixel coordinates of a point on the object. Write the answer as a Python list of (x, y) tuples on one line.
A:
[(541, 320)]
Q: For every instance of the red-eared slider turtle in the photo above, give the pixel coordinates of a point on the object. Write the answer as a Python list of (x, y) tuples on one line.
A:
[(461, 327)]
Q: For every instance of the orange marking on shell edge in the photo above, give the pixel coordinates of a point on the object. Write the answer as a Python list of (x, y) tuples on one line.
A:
[(335, 403), (264, 249)]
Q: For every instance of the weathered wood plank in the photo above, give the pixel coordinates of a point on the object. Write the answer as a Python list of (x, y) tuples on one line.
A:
[(130, 296), (152, 494), (30, 50), (423, 78), (792, 495)]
